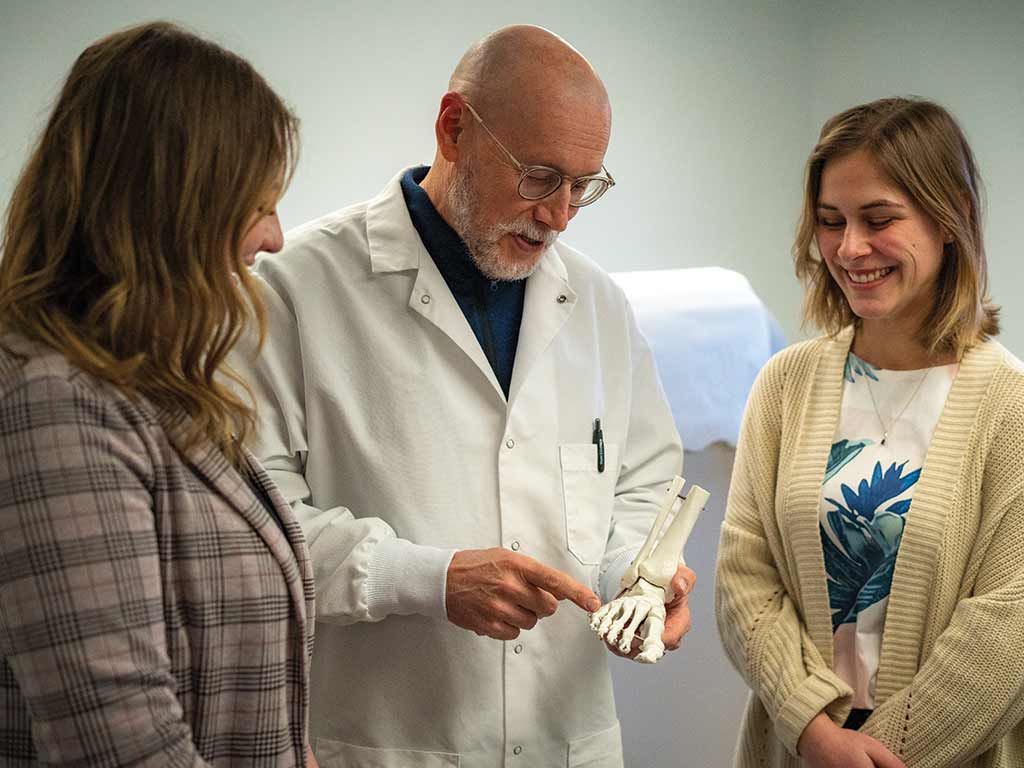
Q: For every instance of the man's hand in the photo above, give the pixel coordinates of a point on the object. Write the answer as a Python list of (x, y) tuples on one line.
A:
[(677, 610), (496, 593), (677, 614), (823, 744)]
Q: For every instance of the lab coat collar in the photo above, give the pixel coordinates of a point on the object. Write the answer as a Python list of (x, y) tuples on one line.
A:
[(395, 246)]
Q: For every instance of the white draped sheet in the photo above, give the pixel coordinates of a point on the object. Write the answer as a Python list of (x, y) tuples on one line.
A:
[(710, 334)]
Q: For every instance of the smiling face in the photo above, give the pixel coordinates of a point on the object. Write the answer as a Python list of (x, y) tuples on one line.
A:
[(506, 235), (882, 250)]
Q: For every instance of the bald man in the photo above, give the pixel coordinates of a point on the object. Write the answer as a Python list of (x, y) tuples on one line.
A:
[(471, 430)]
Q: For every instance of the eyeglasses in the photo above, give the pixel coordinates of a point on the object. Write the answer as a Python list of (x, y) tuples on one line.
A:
[(538, 181)]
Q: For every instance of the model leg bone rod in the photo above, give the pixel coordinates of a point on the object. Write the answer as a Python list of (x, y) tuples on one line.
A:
[(660, 566), (639, 610), (671, 498)]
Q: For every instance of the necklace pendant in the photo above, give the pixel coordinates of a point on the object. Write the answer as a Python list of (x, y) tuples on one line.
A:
[(885, 437)]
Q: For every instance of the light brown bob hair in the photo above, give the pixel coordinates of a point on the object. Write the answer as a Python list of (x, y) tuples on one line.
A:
[(920, 147), (123, 235)]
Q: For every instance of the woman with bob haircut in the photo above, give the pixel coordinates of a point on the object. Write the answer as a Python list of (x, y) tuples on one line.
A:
[(870, 584), (156, 597)]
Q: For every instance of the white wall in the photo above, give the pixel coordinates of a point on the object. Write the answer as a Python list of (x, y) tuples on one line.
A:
[(716, 104), (707, 100)]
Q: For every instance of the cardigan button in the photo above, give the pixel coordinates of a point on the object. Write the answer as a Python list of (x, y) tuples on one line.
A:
[(425, 299)]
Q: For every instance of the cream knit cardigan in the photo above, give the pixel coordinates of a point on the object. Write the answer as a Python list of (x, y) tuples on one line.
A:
[(950, 687)]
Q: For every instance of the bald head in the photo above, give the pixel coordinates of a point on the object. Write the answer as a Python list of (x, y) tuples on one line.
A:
[(535, 102), (521, 69)]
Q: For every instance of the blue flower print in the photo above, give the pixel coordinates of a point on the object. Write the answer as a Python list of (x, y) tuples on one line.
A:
[(857, 367), (860, 556), (843, 453)]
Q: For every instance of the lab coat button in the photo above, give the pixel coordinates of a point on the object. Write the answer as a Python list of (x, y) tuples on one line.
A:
[(510, 443), (519, 648), (425, 298), (562, 298), (517, 750), (515, 546)]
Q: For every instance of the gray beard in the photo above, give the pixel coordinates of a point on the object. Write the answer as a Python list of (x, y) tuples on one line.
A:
[(484, 244)]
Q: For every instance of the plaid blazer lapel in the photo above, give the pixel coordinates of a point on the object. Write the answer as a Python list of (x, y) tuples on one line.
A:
[(287, 547), (302, 589)]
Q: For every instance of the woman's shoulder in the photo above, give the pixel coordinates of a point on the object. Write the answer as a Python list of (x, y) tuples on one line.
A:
[(997, 366), (801, 351), (991, 380), (786, 378), (1007, 383), (32, 373), (800, 359), (1009, 363), (26, 363), (999, 422)]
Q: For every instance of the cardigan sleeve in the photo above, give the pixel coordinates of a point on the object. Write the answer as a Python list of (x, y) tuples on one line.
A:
[(968, 693), (82, 632), (758, 619)]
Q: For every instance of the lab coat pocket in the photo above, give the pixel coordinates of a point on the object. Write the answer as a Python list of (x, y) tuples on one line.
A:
[(588, 496), (598, 750), (339, 754)]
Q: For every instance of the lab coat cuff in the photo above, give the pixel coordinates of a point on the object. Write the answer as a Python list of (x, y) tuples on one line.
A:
[(611, 570), (404, 578)]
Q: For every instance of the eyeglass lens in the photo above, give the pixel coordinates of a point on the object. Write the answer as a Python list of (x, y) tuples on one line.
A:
[(540, 183)]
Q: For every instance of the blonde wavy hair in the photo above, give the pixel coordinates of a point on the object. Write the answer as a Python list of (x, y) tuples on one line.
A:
[(123, 235), (921, 148)]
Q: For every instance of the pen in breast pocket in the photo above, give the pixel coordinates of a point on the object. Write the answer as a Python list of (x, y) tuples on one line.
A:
[(599, 442)]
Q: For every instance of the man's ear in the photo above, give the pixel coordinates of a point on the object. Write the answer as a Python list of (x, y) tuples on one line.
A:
[(448, 127)]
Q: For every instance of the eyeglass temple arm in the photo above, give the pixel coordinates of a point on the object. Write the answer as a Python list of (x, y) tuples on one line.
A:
[(519, 166)]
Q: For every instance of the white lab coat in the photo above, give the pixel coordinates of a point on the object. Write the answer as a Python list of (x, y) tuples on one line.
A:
[(374, 396)]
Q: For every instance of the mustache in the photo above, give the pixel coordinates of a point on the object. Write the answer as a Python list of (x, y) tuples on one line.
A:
[(532, 231)]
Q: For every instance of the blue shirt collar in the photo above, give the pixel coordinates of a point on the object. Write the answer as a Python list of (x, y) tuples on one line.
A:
[(442, 242)]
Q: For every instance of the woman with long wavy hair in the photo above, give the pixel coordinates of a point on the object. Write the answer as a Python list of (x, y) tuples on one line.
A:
[(156, 598)]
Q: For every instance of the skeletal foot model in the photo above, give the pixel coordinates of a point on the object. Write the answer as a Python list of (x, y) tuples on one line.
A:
[(639, 610)]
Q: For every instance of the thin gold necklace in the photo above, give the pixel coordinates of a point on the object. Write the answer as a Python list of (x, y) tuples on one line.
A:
[(885, 429)]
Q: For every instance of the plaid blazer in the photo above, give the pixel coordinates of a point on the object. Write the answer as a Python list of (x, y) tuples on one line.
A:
[(152, 611)]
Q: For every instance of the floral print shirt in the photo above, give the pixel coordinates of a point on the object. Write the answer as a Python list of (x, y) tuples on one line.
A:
[(865, 500)]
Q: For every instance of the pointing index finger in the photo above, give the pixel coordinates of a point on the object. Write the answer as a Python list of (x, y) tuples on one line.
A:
[(562, 586)]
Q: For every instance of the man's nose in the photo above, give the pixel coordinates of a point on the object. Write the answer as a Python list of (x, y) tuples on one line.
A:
[(554, 210)]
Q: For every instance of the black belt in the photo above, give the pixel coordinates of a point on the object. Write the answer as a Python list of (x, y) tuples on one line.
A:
[(857, 718)]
